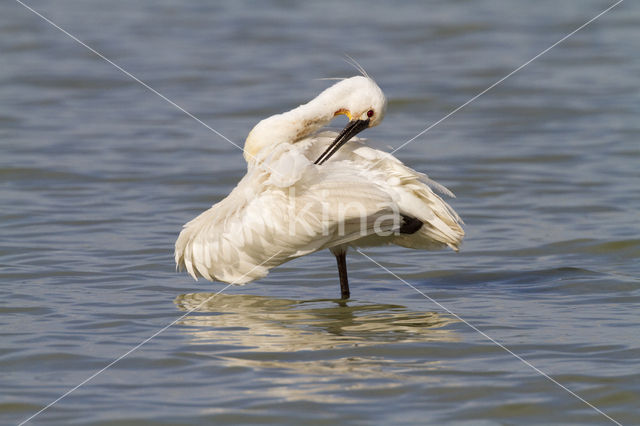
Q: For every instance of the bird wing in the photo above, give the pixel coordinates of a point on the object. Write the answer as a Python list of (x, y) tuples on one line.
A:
[(412, 192), (276, 214), (415, 197), (286, 207)]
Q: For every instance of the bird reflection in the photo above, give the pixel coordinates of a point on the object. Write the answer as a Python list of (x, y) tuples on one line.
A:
[(318, 347), (267, 324)]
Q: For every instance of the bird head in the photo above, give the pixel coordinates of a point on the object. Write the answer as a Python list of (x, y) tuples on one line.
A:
[(364, 104), (359, 98)]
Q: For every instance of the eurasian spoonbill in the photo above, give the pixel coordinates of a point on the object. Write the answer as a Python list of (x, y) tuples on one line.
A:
[(307, 190)]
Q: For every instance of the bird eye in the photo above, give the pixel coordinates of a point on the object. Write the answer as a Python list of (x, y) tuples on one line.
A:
[(370, 113)]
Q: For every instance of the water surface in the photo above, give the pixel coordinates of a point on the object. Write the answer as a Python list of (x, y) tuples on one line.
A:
[(97, 175)]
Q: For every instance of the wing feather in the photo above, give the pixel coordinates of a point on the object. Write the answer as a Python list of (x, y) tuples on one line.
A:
[(272, 217)]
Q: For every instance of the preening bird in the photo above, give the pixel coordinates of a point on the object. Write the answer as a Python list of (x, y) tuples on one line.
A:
[(308, 190)]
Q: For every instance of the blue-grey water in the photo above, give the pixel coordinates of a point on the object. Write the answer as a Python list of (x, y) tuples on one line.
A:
[(98, 174)]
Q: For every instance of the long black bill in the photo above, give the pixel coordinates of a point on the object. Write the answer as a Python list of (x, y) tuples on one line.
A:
[(351, 129)]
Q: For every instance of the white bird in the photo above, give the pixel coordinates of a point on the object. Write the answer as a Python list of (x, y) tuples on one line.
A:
[(306, 190)]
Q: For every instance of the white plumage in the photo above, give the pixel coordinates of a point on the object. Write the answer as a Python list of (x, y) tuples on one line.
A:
[(286, 206)]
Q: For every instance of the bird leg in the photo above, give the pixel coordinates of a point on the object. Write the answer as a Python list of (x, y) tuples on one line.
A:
[(410, 225), (341, 257)]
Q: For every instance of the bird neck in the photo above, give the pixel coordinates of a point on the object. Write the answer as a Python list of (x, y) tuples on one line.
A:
[(295, 125)]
